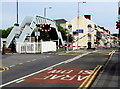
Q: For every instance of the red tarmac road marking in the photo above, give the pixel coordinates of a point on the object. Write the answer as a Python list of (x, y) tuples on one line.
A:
[(61, 75)]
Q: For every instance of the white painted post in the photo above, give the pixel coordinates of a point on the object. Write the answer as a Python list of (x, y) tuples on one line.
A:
[(41, 46), (58, 43)]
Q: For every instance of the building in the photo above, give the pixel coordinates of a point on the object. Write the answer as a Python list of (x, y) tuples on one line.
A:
[(87, 34), (61, 22), (103, 38)]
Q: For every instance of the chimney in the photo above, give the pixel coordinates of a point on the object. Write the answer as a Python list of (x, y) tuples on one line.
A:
[(87, 17)]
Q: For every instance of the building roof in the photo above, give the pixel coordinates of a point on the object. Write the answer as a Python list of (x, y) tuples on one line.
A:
[(60, 20)]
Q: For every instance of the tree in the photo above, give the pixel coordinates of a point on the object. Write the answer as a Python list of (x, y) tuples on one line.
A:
[(63, 32), (6, 32), (46, 36)]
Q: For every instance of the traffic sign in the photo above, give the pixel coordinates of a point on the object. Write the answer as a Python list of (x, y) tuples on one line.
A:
[(37, 33), (80, 30)]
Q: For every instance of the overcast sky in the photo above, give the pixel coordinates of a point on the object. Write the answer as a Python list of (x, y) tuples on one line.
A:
[(103, 13)]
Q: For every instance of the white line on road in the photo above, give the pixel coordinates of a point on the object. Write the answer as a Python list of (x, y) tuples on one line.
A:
[(12, 66), (69, 60), (28, 61), (34, 59), (20, 81), (20, 63), (48, 56)]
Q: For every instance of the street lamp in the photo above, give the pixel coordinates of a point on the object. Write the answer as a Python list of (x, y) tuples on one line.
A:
[(46, 11), (79, 12), (17, 10), (78, 18)]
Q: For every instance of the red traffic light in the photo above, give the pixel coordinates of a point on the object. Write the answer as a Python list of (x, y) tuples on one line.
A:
[(117, 24)]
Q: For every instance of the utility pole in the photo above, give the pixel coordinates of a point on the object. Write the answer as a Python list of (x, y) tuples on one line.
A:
[(79, 14), (78, 22), (17, 10), (45, 11)]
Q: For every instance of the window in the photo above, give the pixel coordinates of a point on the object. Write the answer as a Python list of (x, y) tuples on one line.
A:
[(89, 38), (89, 26), (75, 33)]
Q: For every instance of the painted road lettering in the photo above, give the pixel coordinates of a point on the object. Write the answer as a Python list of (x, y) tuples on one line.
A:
[(85, 72), (61, 71), (61, 75)]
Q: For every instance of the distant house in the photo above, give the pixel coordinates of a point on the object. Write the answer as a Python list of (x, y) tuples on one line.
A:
[(61, 22), (85, 31), (89, 35)]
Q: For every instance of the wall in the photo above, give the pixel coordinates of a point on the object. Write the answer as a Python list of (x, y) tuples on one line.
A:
[(34, 47), (83, 23), (47, 46)]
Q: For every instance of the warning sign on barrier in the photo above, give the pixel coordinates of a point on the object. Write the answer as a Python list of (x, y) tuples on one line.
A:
[(61, 75)]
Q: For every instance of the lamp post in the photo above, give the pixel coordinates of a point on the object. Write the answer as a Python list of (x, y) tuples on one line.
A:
[(79, 11), (17, 10), (78, 18), (45, 11)]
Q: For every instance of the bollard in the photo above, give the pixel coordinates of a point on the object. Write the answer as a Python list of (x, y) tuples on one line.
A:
[(4, 47)]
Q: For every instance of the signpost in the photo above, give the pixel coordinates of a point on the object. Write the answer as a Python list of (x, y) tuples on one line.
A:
[(37, 33), (69, 30)]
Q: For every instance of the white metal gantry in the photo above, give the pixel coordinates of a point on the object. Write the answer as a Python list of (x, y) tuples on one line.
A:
[(27, 26)]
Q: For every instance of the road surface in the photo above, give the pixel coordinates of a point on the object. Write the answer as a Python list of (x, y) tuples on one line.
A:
[(51, 70)]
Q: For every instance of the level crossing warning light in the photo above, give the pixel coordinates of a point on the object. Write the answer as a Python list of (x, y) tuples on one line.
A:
[(117, 24), (44, 27)]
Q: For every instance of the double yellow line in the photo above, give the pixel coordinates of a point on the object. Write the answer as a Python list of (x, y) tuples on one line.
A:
[(88, 81), (3, 68), (111, 52)]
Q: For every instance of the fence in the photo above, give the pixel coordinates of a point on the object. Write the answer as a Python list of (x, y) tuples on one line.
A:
[(34, 47)]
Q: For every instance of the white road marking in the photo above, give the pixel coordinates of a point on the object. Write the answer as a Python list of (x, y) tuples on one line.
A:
[(48, 56), (12, 66), (34, 59), (20, 81), (20, 63), (28, 61), (43, 70)]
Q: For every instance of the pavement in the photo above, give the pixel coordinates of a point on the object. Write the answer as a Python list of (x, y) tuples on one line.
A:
[(56, 70), (109, 77)]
